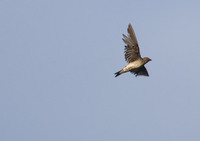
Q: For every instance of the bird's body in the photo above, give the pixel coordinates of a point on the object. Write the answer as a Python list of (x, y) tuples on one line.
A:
[(132, 56), (133, 65)]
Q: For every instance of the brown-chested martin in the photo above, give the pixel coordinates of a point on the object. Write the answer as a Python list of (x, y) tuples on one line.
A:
[(132, 55)]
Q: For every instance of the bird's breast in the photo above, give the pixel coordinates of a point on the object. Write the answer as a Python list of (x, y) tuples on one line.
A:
[(133, 65)]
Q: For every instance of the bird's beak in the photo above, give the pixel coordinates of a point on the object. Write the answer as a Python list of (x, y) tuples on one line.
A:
[(150, 60)]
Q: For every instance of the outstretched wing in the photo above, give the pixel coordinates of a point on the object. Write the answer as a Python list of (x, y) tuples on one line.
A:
[(132, 51), (140, 71)]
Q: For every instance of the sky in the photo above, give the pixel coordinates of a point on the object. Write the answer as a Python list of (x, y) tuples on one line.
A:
[(58, 59)]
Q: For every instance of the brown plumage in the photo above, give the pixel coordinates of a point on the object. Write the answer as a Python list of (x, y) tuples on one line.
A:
[(132, 55)]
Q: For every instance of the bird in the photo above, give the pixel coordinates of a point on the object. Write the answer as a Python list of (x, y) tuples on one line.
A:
[(132, 55)]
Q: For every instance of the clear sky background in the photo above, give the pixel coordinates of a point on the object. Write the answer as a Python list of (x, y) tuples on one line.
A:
[(58, 59)]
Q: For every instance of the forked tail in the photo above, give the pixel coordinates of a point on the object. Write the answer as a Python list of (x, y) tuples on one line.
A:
[(117, 73)]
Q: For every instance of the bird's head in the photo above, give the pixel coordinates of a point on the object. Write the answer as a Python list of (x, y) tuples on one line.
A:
[(146, 59)]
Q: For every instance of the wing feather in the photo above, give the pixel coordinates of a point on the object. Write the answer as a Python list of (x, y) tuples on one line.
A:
[(132, 51), (140, 71)]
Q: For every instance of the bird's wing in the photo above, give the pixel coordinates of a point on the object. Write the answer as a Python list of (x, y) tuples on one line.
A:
[(132, 51), (140, 71)]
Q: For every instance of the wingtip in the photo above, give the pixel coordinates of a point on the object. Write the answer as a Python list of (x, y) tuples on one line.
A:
[(129, 25)]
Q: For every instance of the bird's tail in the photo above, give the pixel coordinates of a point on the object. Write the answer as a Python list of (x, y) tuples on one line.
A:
[(118, 73)]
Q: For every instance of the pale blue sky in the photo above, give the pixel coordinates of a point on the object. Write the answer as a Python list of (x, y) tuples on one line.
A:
[(58, 60)]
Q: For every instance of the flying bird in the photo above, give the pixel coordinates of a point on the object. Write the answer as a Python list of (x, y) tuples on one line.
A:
[(132, 55)]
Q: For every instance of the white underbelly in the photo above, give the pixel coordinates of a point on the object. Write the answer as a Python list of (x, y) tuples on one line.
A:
[(133, 65)]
